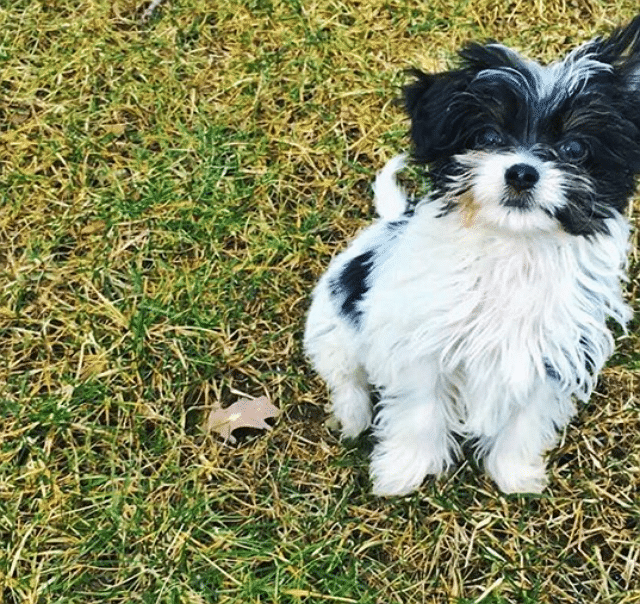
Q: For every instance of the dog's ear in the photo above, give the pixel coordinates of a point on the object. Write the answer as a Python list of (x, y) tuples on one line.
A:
[(621, 50), (430, 102)]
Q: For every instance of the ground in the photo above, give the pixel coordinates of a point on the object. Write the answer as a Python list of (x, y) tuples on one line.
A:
[(171, 189)]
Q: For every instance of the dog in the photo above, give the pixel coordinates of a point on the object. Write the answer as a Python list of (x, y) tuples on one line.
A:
[(482, 310)]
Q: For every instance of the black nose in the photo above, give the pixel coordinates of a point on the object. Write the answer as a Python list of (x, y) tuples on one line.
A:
[(521, 177)]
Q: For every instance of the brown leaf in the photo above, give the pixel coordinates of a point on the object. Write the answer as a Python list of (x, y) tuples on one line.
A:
[(245, 413)]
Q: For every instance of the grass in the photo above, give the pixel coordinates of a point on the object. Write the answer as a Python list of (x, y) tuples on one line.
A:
[(170, 193)]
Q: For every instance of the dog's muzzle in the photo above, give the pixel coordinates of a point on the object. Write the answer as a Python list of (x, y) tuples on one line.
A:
[(520, 178)]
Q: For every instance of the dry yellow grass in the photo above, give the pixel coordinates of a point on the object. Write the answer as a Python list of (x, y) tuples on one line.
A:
[(169, 193)]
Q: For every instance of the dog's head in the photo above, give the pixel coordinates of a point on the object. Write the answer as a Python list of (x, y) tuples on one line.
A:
[(527, 147)]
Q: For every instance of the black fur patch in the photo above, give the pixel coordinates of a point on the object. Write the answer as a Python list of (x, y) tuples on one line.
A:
[(351, 285), (587, 350), (396, 226), (552, 372)]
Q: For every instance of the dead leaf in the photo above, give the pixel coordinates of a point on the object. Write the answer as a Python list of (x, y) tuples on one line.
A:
[(245, 413)]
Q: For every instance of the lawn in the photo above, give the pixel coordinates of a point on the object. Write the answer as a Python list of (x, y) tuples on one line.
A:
[(170, 190)]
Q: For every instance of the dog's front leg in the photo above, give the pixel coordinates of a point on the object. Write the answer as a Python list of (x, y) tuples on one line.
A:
[(515, 459), (411, 429)]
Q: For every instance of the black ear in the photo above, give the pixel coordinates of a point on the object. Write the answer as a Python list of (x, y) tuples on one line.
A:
[(622, 43), (489, 55), (621, 50), (430, 102)]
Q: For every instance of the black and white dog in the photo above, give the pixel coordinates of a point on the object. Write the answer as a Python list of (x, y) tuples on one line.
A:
[(483, 311)]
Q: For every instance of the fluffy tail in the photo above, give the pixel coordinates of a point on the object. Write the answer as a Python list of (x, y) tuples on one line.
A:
[(389, 199)]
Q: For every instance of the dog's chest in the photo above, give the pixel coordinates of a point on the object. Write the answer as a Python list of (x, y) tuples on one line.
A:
[(515, 292), (510, 304), (518, 313), (499, 316), (464, 303)]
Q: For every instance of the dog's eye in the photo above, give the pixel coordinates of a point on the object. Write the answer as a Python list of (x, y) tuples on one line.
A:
[(573, 150), (489, 137)]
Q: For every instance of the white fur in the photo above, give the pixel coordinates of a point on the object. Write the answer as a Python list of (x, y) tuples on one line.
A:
[(460, 325)]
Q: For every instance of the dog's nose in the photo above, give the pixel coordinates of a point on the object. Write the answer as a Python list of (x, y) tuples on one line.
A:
[(521, 177)]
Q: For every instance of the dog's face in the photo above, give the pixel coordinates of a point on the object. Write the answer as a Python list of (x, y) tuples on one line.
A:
[(528, 148)]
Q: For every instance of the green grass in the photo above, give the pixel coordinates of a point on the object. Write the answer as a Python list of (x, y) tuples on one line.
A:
[(170, 193)]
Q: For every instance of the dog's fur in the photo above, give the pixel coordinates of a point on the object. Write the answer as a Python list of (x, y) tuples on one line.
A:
[(483, 311)]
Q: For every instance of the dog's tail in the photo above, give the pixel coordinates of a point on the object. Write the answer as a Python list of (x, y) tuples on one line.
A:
[(389, 199)]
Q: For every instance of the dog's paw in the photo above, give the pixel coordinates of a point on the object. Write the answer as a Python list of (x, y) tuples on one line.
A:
[(400, 470), (352, 428), (351, 412), (519, 477), (393, 486)]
